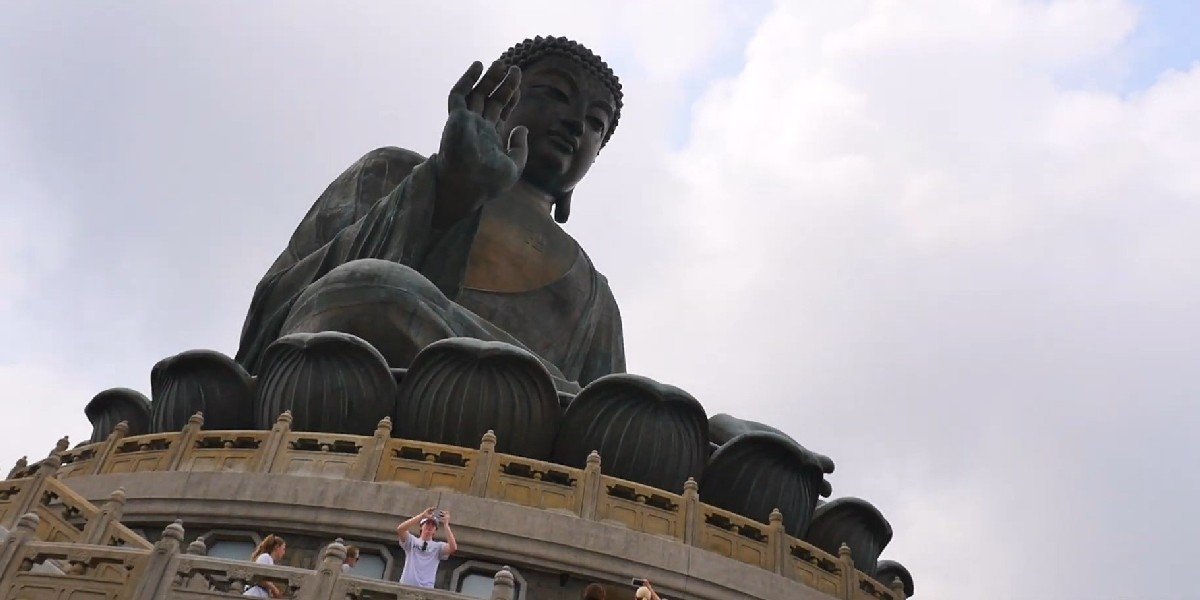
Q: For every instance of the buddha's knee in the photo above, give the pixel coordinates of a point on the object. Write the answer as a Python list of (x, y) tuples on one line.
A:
[(392, 306)]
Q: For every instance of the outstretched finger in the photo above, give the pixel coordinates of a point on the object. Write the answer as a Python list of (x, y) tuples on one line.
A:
[(512, 103), (485, 87), (458, 93), (496, 103), (518, 147)]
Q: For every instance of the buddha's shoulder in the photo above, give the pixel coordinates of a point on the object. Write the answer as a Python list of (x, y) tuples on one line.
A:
[(391, 161)]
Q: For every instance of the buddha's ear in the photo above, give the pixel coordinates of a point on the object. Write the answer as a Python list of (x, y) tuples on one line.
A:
[(562, 207)]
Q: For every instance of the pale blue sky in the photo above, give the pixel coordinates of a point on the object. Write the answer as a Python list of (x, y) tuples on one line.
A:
[(1166, 38)]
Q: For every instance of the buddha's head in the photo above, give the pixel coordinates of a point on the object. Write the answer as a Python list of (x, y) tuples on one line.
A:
[(570, 102)]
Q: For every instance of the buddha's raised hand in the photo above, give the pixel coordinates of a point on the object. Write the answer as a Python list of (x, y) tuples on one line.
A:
[(473, 163)]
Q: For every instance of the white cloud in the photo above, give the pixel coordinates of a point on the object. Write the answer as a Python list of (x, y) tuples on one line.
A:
[(923, 237), (919, 241)]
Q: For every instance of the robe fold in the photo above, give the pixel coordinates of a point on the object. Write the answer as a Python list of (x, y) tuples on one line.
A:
[(382, 208)]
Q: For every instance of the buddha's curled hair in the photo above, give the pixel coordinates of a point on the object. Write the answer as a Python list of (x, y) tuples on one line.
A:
[(530, 50)]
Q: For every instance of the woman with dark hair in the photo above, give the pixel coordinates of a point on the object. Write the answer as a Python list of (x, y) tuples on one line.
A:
[(268, 552), (593, 591)]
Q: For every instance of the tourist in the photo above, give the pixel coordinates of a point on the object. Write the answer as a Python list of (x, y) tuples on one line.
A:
[(422, 554), (593, 591), (646, 591), (351, 558), (269, 552)]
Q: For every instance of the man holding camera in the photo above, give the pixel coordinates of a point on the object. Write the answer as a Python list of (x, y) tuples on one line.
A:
[(421, 553)]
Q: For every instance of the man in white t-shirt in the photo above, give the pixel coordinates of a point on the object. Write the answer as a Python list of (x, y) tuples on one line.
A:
[(422, 553)]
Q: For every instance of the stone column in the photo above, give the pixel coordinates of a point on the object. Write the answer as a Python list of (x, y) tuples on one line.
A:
[(10, 552), (482, 473), (849, 573), (321, 585), (108, 447), (590, 507), (187, 438), (197, 547), (369, 458), (22, 464), (47, 469), (97, 527), (275, 442), (159, 571), (61, 446), (777, 542), (503, 585), (897, 588), (693, 516)]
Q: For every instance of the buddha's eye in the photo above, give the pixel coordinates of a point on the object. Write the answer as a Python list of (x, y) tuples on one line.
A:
[(596, 124), (554, 93)]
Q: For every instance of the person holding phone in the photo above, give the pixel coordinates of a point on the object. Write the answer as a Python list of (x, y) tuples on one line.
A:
[(645, 591), (423, 554)]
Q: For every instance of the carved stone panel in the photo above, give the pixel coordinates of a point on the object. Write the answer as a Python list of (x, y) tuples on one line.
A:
[(331, 381), (459, 388), (200, 381), (645, 431)]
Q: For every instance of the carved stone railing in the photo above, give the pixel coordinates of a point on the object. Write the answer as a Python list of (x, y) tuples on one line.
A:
[(586, 493), (63, 515), (31, 568)]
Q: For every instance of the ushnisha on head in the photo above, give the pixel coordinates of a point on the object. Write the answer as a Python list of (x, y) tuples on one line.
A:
[(570, 101)]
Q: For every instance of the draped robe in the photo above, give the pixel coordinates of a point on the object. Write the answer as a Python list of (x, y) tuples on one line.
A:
[(382, 208)]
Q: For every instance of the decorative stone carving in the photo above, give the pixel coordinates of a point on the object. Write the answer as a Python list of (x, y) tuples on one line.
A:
[(887, 571), (757, 471), (646, 431), (459, 388), (200, 381), (855, 522), (115, 405), (330, 381)]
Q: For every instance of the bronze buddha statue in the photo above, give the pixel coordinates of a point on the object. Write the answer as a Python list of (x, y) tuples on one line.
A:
[(403, 250)]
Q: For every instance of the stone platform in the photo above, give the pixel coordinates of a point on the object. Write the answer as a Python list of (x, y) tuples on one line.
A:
[(558, 528)]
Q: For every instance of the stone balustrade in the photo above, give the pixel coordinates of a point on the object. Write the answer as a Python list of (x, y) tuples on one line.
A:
[(586, 493), (34, 569)]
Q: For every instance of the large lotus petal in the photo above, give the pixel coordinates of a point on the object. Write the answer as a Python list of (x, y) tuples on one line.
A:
[(459, 388), (887, 571), (331, 381), (110, 407), (855, 522), (758, 471), (645, 431), (200, 381)]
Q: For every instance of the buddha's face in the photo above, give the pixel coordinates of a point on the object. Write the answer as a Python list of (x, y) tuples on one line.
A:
[(568, 112)]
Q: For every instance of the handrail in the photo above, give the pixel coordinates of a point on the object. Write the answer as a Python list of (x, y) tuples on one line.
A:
[(483, 472), (165, 571)]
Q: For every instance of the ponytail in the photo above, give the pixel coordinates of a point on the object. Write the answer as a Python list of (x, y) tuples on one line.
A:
[(267, 546)]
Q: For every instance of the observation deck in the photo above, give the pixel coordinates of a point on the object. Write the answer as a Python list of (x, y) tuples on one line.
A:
[(531, 529)]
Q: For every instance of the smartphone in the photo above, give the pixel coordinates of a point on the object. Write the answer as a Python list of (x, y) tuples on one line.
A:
[(638, 581)]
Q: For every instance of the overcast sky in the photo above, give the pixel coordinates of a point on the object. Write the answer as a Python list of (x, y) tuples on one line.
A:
[(951, 244)]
